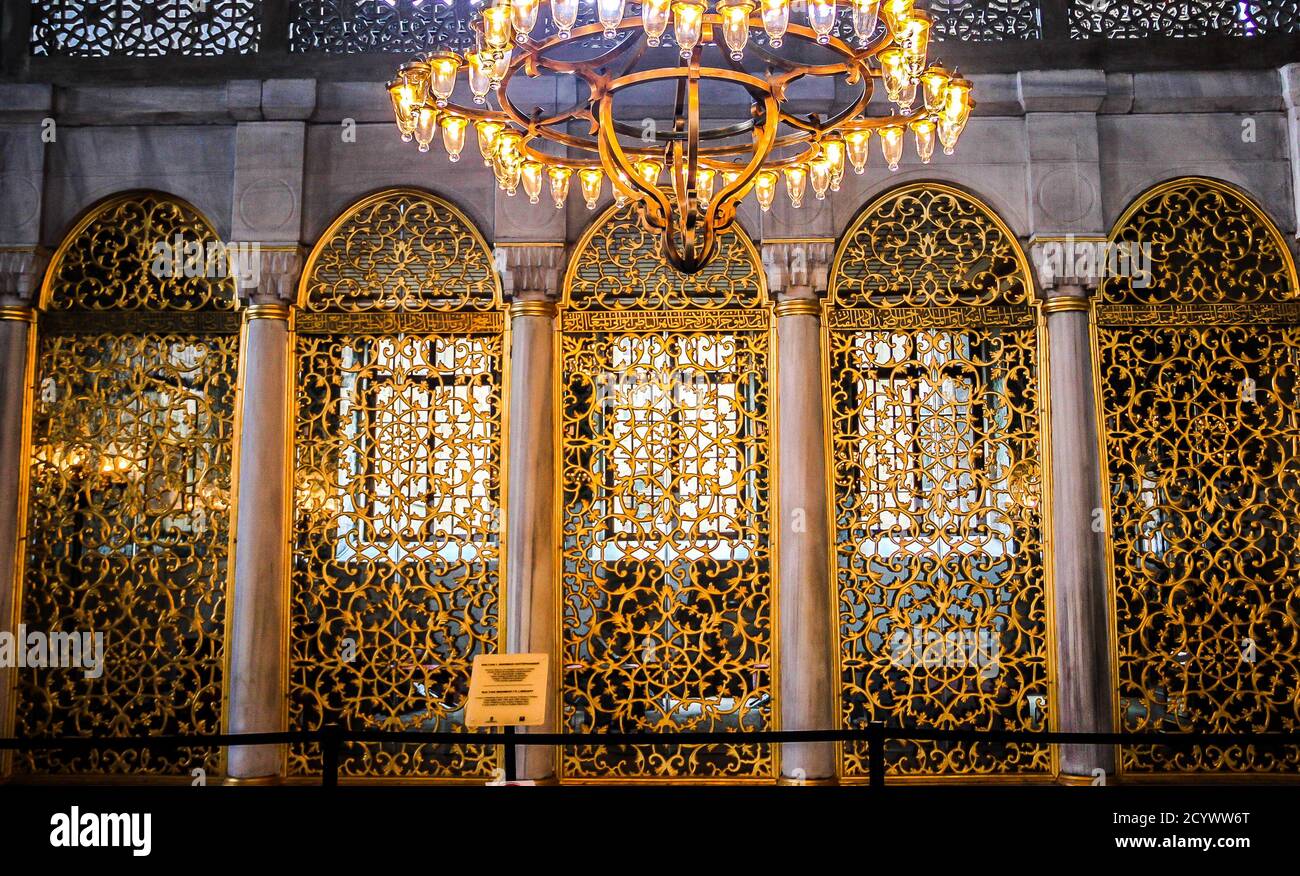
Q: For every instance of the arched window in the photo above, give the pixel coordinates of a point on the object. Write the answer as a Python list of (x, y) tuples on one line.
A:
[(397, 482), (665, 457), (1199, 354), (937, 449), (128, 495)]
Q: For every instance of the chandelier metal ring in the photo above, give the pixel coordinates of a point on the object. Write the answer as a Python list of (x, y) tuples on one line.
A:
[(768, 143)]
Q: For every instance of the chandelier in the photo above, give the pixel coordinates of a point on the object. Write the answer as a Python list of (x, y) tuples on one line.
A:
[(739, 59)]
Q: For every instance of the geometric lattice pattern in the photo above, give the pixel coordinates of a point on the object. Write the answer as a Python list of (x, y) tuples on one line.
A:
[(1200, 389), (144, 28), (1137, 19), (936, 440), (666, 599)]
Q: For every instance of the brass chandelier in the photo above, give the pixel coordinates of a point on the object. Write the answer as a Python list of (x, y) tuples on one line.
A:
[(619, 53)]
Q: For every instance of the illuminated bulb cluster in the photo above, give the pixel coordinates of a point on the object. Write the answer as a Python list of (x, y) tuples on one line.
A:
[(931, 102)]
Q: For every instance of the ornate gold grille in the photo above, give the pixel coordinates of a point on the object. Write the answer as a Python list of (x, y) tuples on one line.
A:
[(936, 438), (667, 595), (397, 483), (1200, 393), (128, 519)]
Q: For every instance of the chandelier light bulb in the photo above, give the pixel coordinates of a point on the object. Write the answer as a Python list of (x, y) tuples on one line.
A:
[(821, 18), (907, 97), (648, 170), (735, 25), (934, 82), (893, 72), (957, 103), (499, 67), (480, 75), (610, 13), (765, 188), (620, 189), (512, 171), (487, 139), (559, 176), (729, 177), (857, 144), (833, 152), (453, 135), (949, 131), (496, 27), (523, 16), (589, 180), (776, 18), (896, 12), (564, 13), (923, 129), (688, 18), (704, 180), (866, 13), (531, 174), (891, 145), (914, 40), (819, 172), (426, 125), (654, 18), (403, 98), (507, 151), (796, 183)]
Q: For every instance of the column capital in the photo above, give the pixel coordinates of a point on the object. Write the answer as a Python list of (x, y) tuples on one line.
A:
[(798, 268), (1068, 263), (22, 268), (269, 272), (530, 270)]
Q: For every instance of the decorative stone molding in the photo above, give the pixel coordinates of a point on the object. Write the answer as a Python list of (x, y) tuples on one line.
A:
[(21, 270), (1291, 96), (1075, 260), (274, 273), (530, 268), (793, 264)]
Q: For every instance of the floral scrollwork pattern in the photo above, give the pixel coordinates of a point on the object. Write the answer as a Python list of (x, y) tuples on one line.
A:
[(397, 486), (666, 555), (936, 441), (1201, 407), (129, 496)]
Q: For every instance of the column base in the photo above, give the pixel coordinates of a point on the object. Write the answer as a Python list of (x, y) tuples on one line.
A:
[(1079, 781), (789, 782), (252, 781)]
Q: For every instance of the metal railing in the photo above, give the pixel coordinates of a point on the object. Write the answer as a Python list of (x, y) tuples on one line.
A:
[(332, 738)]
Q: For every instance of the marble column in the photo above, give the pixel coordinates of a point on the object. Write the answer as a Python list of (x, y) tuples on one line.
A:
[(531, 273), (806, 615), (1076, 549), (21, 270), (259, 608)]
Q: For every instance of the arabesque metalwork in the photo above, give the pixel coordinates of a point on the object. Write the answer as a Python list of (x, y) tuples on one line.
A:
[(397, 483), (128, 493), (665, 459), (936, 438), (1199, 376)]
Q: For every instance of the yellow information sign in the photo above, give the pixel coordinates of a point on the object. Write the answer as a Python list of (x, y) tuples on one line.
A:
[(507, 690)]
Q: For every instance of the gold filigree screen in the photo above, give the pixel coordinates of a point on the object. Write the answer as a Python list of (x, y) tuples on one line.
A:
[(397, 484), (1199, 356), (665, 465), (128, 519), (936, 441)]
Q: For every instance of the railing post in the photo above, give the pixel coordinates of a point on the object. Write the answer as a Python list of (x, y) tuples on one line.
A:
[(1054, 18), (876, 753)]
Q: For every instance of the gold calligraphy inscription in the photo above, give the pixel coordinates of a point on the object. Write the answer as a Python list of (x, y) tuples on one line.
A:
[(643, 321), (1258, 313), (986, 317), (395, 323), (73, 322)]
